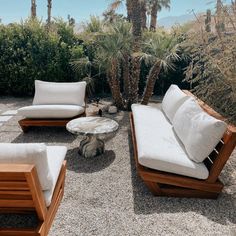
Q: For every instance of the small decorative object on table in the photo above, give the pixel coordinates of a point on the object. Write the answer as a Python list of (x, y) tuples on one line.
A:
[(92, 127), (97, 101)]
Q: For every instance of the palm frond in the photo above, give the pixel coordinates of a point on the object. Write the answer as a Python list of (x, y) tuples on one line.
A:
[(162, 47), (82, 65), (115, 4)]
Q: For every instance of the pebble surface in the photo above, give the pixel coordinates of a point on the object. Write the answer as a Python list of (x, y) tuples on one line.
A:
[(104, 196)]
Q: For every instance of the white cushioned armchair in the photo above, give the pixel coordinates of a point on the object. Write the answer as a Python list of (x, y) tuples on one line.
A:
[(54, 104), (32, 176)]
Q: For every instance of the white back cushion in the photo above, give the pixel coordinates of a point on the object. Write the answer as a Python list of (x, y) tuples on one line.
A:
[(49, 93), (35, 154), (159, 147), (198, 131), (172, 100)]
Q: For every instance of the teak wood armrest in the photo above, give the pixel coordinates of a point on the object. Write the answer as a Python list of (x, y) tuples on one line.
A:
[(20, 192)]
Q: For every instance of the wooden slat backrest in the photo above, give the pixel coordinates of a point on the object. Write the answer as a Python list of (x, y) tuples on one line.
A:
[(219, 161), (218, 158), (20, 189)]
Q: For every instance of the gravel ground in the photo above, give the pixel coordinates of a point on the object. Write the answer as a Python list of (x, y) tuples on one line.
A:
[(104, 195)]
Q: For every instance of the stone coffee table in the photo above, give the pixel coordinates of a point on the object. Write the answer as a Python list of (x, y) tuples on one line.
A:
[(91, 128)]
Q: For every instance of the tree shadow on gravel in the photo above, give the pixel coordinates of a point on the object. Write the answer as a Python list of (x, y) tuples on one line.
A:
[(80, 164), (122, 117), (45, 135), (221, 211)]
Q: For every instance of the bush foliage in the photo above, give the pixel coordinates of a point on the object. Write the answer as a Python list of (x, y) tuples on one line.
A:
[(29, 52), (212, 70)]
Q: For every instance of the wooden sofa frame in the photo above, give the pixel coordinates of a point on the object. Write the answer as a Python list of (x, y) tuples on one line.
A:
[(20, 192), (166, 184), (26, 123)]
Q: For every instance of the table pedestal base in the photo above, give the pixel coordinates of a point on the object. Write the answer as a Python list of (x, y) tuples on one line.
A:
[(91, 146)]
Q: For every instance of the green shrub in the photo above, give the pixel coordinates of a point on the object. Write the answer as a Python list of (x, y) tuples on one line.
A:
[(212, 69), (29, 52)]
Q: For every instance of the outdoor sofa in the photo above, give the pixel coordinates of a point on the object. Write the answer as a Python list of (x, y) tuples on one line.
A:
[(54, 104), (181, 145), (32, 179)]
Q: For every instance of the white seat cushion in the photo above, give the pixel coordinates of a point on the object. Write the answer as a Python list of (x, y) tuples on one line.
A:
[(30, 153), (50, 111), (56, 156), (172, 100), (198, 131), (49, 93), (159, 148)]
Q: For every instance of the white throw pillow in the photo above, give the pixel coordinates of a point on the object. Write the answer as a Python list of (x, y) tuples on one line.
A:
[(198, 131), (35, 154), (50, 93), (172, 100)]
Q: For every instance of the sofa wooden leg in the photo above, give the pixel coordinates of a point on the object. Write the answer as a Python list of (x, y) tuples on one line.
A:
[(25, 129), (154, 188)]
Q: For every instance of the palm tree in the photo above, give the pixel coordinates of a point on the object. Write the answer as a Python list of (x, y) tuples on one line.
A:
[(161, 52), (33, 9), (116, 3), (95, 25), (113, 49), (129, 9), (156, 6), (109, 55), (135, 59), (143, 14), (136, 22), (134, 15), (49, 11), (123, 31)]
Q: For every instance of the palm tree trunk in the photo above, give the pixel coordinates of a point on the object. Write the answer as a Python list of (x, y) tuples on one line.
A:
[(33, 9), (137, 23), (49, 12), (134, 81), (129, 10), (143, 15), (135, 58), (153, 22), (115, 85), (126, 75), (151, 80)]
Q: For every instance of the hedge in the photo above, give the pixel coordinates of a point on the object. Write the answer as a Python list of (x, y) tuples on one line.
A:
[(29, 52)]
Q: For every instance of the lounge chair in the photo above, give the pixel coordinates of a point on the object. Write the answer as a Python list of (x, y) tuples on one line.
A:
[(54, 104), (32, 179), (181, 146)]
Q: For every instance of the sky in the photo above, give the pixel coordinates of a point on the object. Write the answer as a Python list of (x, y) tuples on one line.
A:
[(15, 10)]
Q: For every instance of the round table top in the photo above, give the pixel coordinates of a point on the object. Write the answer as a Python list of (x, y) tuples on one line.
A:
[(92, 125)]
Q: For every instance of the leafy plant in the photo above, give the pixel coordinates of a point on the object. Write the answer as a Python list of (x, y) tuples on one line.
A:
[(212, 70), (29, 52), (161, 52), (94, 25)]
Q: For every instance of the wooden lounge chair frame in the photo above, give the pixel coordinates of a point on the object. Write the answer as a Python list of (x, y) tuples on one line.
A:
[(166, 184), (26, 123), (20, 192)]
